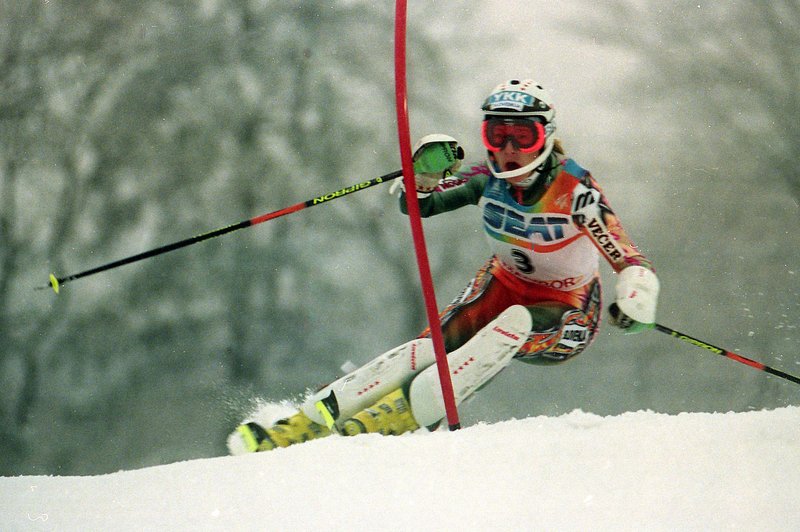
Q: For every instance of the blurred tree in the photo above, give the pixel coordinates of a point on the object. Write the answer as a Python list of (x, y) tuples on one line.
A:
[(714, 90), (50, 83), (735, 65), (128, 125)]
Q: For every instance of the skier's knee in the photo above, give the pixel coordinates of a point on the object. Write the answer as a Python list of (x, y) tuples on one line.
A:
[(569, 336)]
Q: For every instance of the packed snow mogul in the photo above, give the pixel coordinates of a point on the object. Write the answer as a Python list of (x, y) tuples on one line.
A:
[(537, 298)]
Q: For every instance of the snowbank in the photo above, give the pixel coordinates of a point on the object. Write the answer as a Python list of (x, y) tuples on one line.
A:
[(575, 472)]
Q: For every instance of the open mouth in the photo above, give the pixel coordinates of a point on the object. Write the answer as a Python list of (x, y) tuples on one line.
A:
[(509, 166)]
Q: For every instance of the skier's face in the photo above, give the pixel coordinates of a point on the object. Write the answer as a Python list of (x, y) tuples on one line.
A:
[(510, 158)]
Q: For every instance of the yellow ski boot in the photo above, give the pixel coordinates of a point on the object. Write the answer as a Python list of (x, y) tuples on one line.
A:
[(391, 415), (295, 429)]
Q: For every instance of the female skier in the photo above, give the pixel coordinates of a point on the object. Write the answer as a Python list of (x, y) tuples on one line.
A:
[(547, 222)]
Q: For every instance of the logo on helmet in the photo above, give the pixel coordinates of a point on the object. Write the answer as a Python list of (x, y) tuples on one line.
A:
[(510, 100)]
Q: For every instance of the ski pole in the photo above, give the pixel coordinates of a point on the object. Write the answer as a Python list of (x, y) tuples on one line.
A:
[(56, 282), (726, 353)]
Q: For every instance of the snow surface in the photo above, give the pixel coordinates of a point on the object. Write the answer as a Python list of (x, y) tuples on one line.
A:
[(579, 471)]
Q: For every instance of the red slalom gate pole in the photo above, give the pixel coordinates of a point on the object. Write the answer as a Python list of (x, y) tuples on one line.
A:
[(415, 218)]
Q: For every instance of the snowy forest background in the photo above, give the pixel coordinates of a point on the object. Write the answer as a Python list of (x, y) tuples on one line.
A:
[(127, 125)]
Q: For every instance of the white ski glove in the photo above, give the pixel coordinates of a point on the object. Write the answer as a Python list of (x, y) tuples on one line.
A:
[(637, 293), (435, 157)]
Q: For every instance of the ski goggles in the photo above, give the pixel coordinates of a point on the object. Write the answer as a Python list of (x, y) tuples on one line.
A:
[(526, 135)]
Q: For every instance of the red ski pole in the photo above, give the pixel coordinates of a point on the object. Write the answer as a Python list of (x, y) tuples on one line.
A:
[(56, 282), (724, 352)]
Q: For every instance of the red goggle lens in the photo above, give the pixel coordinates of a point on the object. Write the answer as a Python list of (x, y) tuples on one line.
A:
[(525, 135)]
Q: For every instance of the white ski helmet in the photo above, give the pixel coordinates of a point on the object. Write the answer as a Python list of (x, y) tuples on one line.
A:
[(521, 99)]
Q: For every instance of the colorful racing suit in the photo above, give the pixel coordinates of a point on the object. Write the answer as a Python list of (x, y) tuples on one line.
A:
[(546, 243)]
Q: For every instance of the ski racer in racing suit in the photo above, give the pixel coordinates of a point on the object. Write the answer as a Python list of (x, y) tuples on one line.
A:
[(546, 241), (547, 222)]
